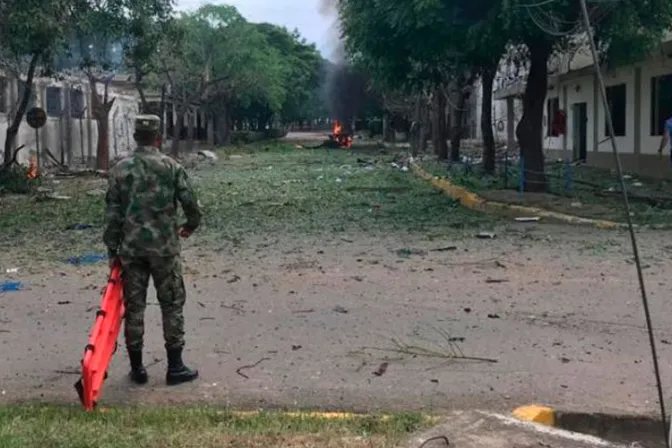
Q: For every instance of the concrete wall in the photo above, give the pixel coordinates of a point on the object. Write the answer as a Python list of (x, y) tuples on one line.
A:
[(67, 138)]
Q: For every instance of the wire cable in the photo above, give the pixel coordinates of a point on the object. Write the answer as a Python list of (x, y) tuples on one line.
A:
[(626, 204)]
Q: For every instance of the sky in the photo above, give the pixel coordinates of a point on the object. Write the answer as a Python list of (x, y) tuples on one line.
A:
[(302, 14)]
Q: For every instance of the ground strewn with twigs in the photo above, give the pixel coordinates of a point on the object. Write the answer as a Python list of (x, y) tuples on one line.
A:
[(333, 280), (261, 191), (33, 426), (578, 190)]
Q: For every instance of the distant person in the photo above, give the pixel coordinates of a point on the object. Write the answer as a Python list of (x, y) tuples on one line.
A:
[(142, 234), (667, 130)]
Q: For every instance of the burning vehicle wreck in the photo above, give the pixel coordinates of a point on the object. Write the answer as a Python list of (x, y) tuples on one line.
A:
[(338, 138)]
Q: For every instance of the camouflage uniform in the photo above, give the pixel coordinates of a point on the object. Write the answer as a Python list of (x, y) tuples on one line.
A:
[(142, 231)]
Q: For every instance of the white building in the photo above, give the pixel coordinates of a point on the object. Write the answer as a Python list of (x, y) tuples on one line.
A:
[(70, 133), (641, 100)]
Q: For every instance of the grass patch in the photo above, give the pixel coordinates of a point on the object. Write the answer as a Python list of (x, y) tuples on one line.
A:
[(584, 191), (63, 426), (265, 190)]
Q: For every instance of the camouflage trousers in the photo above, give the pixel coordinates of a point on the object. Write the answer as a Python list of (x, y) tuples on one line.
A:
[(166, 273)]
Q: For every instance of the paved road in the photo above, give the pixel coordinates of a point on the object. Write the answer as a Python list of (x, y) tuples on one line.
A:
[(556, 307), (307, 136)]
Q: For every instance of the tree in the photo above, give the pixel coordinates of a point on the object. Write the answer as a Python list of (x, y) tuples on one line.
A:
[(31, 31), (625, 30), (221, 62), (304, 65), (391, 37), (105, 34)]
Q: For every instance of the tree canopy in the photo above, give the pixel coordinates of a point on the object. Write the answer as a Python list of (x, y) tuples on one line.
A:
[(244, 74), (431, 44)]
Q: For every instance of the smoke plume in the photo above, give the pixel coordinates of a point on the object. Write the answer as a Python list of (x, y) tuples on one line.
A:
[(343, 90)]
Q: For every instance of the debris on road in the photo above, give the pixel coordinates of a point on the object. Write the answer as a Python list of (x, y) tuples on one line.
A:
[(486, 235), (63, 302), (235, 308), (445, 249), (310, 310), (250, 366), (340, 309), (528, 219), (496, 280), (493, 316), (382, 369), (233, 279), (208, 155), (296, 347), (9, 286), (406, 252)]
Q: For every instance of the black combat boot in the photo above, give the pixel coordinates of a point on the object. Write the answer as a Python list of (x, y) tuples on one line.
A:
[(138, 373), (178, 373)]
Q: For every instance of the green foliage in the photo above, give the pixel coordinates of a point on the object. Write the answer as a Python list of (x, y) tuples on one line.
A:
[(203, 427), (14, 179)]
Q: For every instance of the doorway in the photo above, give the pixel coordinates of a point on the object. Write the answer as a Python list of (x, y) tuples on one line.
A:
[(580, 131)]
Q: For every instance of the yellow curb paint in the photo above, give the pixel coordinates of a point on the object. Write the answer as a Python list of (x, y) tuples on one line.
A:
[(535, 413), (317, 415), (473, 201)]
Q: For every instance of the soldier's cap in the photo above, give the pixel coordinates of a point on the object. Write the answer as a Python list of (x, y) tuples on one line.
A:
[(147, 123)]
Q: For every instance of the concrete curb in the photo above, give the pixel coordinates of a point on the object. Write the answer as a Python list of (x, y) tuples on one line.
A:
[(536, 414), (471, 200)]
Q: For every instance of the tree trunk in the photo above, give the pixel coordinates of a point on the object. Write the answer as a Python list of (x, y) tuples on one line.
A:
[(144, 107), (175, 146), (415, 133), (162, 114), (100, 111), (530, 127), (456, 131), (13, 129), (227, 125), (103, 153), (388, 132), (439, 125), (190, 131), (488, 78)]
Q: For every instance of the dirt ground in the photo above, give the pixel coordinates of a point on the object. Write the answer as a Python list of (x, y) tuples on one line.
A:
[(289, 322)]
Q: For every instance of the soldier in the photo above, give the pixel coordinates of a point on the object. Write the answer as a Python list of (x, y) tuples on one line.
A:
[(142, 234)]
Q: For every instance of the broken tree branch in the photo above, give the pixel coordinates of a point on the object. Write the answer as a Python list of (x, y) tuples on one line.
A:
[(250, 366)]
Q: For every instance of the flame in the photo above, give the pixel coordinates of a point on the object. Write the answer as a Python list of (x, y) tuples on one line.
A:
[(32, 168), (337, 134)]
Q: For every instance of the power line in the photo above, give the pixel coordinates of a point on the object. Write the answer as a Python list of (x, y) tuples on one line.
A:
[(626, 206)]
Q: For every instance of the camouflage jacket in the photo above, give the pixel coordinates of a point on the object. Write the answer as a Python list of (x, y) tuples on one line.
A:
[(142, 212)]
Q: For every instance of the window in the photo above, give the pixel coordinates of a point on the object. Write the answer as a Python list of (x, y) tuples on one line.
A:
[(54, 106), (3, 95), (552, 108), (616, 98), (76, 103), (32, 102), (661, 103)]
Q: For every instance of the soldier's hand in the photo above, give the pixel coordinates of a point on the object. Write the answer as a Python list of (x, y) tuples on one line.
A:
[(184, 232)]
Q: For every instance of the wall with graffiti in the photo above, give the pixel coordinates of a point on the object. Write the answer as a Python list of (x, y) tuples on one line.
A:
[(70, 135)]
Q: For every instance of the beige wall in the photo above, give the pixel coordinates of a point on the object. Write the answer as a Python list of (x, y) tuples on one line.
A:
[(83, 136)]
